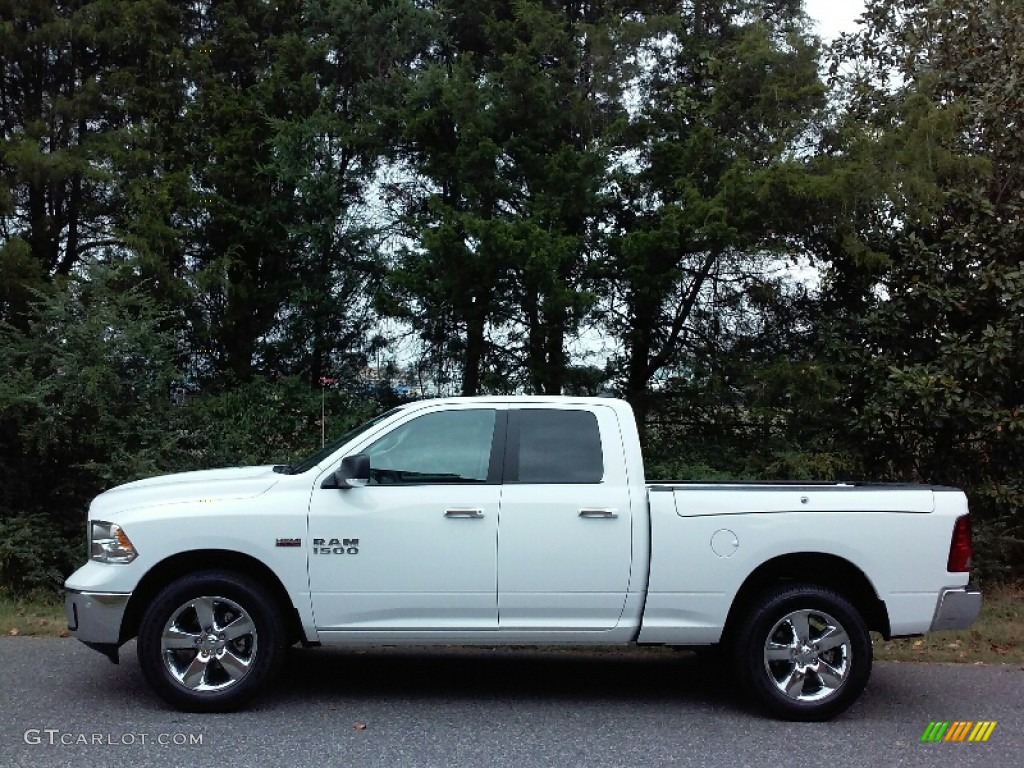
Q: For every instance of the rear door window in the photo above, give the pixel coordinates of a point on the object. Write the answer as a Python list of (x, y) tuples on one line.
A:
[(549, 445)]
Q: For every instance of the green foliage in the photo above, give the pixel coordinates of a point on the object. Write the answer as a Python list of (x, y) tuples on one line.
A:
[(87, 382), (998, 547), (236, 200), (20, 275), (264, 422), (925, 330), (85, 404), (503, 134), (35, 558), (709, 176)]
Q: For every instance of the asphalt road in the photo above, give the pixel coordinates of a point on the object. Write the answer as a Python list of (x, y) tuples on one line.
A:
[(459, 707)]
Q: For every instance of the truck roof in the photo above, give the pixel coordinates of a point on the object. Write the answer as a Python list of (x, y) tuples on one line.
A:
[(599, 400)]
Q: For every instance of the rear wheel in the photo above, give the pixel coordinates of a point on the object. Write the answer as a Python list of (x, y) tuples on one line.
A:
[(804, 652), (210, 641)]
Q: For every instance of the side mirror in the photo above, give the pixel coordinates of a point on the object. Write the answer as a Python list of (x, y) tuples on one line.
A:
[(354, 472)]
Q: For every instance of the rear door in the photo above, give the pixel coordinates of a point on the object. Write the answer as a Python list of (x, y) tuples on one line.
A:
[(564, 537)]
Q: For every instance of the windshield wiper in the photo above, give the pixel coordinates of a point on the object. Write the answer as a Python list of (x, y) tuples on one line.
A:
[(284, 469)]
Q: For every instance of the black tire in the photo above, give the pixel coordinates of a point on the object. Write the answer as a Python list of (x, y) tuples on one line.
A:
[(212, 670), (803, 679)]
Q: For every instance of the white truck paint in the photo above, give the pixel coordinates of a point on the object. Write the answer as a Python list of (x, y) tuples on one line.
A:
[(511, 520)]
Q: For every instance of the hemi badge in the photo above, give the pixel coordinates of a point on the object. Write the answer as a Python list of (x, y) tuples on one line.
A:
[(289, 542)]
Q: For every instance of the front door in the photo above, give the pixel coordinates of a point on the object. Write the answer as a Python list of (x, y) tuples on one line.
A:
[(416, 548)]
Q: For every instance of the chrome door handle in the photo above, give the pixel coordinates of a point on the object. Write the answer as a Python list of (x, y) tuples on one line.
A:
[(471, 513), (602, 513)]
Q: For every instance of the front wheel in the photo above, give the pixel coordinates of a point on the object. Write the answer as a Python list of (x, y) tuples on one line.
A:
[(210, 641), (804, 653)]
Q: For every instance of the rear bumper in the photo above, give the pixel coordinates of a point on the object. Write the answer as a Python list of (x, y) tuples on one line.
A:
[(957, 608), (95, 618)]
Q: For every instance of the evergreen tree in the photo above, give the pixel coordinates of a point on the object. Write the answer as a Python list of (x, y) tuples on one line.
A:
[(67, 91), (925, 291), (712, 164), (504, 131)]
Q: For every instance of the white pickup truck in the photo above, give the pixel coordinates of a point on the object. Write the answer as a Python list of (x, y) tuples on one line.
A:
[(514, 520)]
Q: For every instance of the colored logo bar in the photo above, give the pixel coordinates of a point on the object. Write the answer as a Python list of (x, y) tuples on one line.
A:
[(958, 730)]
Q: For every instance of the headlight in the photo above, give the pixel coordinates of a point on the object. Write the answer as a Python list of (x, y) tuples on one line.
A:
[(108, 543)]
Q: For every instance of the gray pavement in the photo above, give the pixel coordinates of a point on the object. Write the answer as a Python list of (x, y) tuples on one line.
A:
[(64, 705)]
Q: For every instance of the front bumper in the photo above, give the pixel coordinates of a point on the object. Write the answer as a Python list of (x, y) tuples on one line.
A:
[(957, 608), (95, 619)]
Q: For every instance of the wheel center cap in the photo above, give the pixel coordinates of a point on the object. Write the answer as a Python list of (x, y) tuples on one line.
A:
[(806, 655), (209, 644)]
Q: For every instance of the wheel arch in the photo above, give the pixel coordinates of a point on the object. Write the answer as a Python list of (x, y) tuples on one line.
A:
[(817, 568), (175, 566)]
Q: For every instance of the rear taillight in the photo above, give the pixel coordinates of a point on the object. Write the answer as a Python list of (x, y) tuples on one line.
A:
[(960, 547)]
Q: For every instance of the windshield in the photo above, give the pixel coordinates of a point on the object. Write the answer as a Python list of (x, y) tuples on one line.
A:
[(331, 447)]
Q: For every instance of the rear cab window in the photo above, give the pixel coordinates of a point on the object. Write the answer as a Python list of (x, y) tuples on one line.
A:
[(549, 445)]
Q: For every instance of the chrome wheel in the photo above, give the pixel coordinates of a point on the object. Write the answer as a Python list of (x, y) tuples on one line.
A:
[(209, 644), (807, 655)]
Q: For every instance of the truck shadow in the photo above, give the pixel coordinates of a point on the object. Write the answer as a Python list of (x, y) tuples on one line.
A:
[(501, 673)]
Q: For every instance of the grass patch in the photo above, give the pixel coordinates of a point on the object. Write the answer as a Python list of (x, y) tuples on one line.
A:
[(997, 637), (34, 615)]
